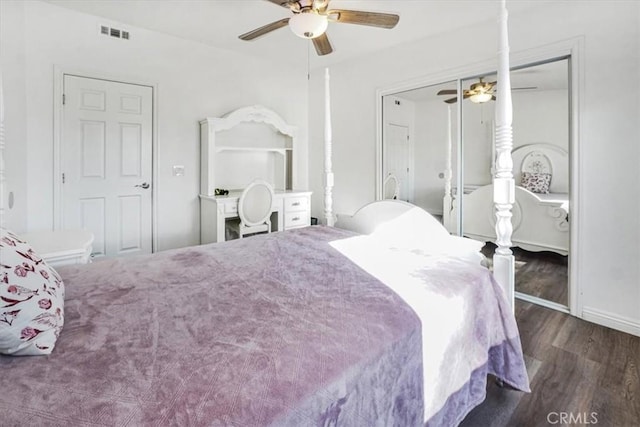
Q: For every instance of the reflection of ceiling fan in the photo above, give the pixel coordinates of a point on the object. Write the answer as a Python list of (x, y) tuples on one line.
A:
[(479, 92), (311, 18)]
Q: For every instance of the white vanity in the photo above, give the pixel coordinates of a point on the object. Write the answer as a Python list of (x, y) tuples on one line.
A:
[(248, 143)]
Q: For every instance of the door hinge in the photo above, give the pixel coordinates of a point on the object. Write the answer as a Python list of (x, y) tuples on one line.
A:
[(63, 178), (64, 99)]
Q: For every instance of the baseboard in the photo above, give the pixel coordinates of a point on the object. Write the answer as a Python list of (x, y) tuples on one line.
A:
[(611, 320)]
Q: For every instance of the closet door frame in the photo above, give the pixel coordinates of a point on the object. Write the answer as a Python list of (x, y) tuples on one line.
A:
[(572, 48)]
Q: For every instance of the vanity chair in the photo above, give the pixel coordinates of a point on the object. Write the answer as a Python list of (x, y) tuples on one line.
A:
[(254, 209), (391, 187)]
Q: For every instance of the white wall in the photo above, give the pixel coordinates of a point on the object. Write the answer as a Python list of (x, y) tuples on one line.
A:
[(541, 116), (477, 129), (431, 153), (609, 202), (193, 80), (12, 64)]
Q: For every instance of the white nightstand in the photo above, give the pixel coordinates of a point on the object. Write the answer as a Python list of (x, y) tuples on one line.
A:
[(61, 247)]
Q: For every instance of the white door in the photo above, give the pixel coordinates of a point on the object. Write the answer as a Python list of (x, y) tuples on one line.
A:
[(106, 161), (397, 158)]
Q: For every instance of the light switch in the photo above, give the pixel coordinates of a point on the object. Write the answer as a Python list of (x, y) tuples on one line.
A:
[(178, 170)]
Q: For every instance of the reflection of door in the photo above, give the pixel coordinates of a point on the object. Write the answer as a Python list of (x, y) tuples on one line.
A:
[(106, 163), (398, 155)]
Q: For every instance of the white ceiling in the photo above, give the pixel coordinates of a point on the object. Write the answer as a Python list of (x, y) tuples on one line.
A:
[(219, 22)]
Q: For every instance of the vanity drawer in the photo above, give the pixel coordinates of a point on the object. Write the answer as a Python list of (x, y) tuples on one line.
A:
[(297, 219), (292, 204), (231, 208)]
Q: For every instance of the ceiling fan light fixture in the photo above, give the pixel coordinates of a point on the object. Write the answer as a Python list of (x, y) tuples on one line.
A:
[(480, 98), (308, 25)]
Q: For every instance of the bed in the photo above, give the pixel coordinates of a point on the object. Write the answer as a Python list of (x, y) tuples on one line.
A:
[(302, 335), (369, 325), (541, 209)]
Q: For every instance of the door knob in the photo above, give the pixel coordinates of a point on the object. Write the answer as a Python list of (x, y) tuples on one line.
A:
[(144, 185)]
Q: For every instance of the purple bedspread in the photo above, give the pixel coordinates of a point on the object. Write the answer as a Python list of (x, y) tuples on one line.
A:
[(270, 330)]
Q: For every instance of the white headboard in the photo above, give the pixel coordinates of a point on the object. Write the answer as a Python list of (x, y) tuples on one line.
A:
[(545, 158)]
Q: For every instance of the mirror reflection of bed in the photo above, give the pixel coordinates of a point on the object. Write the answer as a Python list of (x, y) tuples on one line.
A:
[(541, 163), (541, 218)]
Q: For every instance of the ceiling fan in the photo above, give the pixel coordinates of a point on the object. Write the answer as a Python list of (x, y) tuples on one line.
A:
[(479, 92), (311, 18)]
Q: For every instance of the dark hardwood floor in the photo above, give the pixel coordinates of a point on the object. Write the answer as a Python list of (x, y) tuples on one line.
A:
[(581, 374), (539, 274)]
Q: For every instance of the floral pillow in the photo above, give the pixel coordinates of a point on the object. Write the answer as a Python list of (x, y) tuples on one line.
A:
[(31, 300), (536, 182)]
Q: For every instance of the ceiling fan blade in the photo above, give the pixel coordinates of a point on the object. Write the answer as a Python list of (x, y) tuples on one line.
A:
[(283, 3), (451, 100), (320, 5), (322, 45), (448, 92), (520, 88), (264, 29), (373, 19)]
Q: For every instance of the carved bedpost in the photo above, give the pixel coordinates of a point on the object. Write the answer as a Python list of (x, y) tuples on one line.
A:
[(448, 173), (328, 173), (503, 183)]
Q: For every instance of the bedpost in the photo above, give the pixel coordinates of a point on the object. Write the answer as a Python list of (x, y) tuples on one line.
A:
[(448, 173), (328, 173), (503, 183)]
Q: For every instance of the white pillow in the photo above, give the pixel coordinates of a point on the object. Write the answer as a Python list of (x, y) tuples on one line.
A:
[(31, 300)]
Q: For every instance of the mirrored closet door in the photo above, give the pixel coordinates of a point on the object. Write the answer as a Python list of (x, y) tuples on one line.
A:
[(438, 153), (419, 140)]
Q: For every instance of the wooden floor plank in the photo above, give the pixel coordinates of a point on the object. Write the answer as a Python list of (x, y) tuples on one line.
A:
[(585, 371), (538, 328), (542, 274), (565, 383)]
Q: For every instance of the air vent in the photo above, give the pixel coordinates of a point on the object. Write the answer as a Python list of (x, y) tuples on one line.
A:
[(114, 32)]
